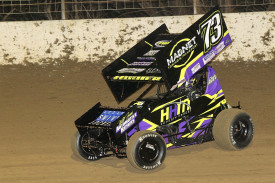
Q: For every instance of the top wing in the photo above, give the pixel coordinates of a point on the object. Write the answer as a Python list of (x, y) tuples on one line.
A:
[(172, 58), (138, 65)]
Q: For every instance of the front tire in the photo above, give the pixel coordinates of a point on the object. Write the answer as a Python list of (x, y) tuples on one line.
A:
[(233, 129), (146, 150)]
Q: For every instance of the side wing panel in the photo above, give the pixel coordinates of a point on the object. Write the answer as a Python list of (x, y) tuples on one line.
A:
[(193, 49), (130, 71)]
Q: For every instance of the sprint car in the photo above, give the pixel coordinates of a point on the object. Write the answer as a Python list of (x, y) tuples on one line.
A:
[(181, 101)]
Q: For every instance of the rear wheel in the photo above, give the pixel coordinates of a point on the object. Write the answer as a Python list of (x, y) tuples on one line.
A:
[(87, 147), (146, 150), (233, 129)]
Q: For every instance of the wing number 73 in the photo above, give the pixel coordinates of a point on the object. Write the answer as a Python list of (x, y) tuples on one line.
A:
[(211, 31)]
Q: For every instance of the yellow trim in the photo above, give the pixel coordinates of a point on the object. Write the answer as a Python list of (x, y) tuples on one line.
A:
[(225, 33), (182, 74), (185, 39), (211, 108), (178, 66), (222, 102), (169, 145), (203, 32), (213, 97), (185, 135), (200, 121), (124, 61), (161, 106), (183, 70), (138, 103), (191, 135), (175, 121), (153, 125), (148, 43)]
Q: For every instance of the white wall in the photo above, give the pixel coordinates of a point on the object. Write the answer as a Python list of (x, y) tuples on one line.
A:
[(106, 39)]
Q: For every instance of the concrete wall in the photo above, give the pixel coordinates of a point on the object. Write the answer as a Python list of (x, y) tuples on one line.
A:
[(106, 39)]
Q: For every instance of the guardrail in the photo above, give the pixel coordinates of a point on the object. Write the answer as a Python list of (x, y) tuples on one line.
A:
[(19, 10), (45, 42)]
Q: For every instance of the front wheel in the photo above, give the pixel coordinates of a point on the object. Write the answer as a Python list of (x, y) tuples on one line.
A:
[(146, 150), (233, 129)]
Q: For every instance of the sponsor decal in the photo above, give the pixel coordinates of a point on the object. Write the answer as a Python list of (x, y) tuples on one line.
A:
[(108, 116), (151, 53), (131, 70), (177, 54), (151, 167), (140, 64), (147, 135), (179, 83), (208, 57), (227, 40), (146, 58), (220, 47), (152, 71), (150, 146), (196, 68), (211, 30), (212, 79), (162, 43), (126, 122), (137, 78), (92, 157), (139, 104), (175, 111)]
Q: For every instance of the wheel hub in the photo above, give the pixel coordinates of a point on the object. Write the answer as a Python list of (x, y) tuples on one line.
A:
[(240, 131), (149, 151), (91, 146)]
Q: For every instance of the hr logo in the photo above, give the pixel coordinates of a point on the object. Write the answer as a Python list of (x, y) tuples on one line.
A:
[(175, 110)]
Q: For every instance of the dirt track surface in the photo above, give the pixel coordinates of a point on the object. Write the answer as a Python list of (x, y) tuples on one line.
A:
[(38, 106)]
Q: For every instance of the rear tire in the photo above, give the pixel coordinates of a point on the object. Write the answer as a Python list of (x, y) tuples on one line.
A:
[(146, 150), (74, 146), (87, 149), (233, 129)]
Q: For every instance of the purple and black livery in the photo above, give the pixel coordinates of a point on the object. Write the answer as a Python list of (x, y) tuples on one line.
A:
[(187, 100)]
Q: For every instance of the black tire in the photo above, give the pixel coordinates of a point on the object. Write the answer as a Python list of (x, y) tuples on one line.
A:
[(146, 150), (79, 148), (74, 146), (233, 129)]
